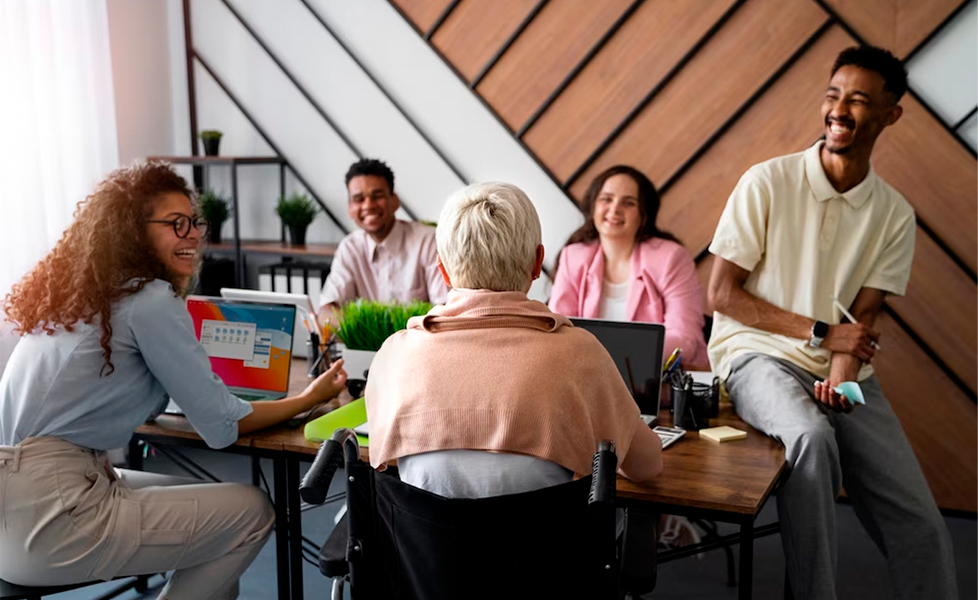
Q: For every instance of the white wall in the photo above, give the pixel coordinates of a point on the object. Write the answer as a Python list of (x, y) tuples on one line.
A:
[(141, 77), (480, 147), (945, 72)]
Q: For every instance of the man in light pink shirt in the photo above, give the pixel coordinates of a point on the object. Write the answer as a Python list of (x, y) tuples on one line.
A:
[(388, 259)]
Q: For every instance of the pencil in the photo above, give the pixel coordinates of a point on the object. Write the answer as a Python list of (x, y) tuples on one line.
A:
[(852, 319)]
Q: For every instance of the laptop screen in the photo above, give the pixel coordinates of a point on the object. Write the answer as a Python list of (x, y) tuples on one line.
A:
[(249, 343), (637, 351)]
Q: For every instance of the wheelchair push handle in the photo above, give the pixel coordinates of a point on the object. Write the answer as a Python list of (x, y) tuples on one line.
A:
[(329, 458), (604, 469)]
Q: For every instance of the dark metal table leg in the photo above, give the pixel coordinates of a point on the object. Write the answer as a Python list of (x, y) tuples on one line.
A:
[(295, 527), (281, 527), (745, 591), (136, 454)]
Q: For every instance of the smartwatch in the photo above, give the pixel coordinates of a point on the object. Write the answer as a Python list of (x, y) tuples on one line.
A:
[(819, 330)]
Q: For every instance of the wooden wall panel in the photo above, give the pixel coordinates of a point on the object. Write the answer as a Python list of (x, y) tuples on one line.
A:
[(557, 39), (897, 25), (749, 49), (785, 120), (934, 395), (940, 308), (422, 13), (936, 174), (476, 30), (630, 65), (938, 417)]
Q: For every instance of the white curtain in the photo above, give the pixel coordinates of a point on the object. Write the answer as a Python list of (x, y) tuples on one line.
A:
[(57, 122)]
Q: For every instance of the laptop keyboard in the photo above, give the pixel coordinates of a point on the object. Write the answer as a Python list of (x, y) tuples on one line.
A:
[(250, 397)]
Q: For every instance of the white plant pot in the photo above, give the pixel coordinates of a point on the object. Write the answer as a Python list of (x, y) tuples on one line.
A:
[(356, 362)]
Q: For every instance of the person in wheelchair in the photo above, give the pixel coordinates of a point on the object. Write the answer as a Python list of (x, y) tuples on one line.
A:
[(492, 393)]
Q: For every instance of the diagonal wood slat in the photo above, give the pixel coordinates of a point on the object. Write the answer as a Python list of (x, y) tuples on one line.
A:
[(937, 416), (650, 44), (476, 29), (698, 135), (784, 120), (897, 25), (921, 159), (551, 46), (749, 49), (940, 308)]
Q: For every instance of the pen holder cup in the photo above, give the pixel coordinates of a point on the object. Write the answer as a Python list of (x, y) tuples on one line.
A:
[(315, 365), (694, 404)]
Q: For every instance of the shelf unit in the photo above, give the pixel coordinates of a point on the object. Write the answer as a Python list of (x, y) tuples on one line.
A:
[(240, 247)]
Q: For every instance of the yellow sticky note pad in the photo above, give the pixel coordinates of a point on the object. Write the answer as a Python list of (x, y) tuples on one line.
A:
[(723, 434)]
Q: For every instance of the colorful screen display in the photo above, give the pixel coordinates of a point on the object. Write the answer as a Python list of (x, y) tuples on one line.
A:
[(249, 344)]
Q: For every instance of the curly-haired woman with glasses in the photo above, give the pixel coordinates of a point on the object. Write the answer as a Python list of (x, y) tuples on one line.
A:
[(106, 338)]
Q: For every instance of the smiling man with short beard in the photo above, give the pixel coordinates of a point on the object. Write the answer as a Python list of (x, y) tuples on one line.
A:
[(388, 259), (799, 232)]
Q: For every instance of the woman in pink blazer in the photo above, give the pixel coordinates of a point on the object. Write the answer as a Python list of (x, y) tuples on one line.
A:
[(619, 266)]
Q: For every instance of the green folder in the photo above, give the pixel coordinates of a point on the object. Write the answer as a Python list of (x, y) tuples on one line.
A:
[(351, 415)]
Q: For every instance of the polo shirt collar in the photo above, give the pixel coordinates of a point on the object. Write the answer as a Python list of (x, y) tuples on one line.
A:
[(393, 240), (822, 187)]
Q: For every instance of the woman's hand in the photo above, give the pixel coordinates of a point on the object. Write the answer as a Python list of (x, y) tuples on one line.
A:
[(328, 385)]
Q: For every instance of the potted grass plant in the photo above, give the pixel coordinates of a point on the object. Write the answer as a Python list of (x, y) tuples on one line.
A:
[(366, 324), (297, 211), (211, 139), (216, 209)]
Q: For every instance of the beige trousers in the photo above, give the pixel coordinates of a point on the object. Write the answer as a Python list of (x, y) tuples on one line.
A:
[(67, 517)]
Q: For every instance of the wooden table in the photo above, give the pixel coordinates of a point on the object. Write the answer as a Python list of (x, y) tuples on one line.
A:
[(727, 482)]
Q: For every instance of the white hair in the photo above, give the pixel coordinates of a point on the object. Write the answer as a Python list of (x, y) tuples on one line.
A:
[(488, 235)]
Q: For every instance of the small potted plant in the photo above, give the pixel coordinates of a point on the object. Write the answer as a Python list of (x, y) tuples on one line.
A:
[(297, 211), (212, 141), (216, 209), (365, 325)]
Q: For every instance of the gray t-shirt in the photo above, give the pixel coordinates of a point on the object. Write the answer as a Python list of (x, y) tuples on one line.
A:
[(478, 474), (51, 385)]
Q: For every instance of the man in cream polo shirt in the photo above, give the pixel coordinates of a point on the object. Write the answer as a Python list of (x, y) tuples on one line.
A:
[(798, 231)]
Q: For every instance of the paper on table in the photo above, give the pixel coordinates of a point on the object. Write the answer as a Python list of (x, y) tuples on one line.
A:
[(704, 377), (723, 433)]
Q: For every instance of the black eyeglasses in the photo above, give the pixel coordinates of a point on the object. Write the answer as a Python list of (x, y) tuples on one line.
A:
[(181, 225)]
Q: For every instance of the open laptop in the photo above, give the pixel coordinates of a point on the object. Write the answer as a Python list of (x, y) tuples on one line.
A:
[(249, 345), (637, 350)]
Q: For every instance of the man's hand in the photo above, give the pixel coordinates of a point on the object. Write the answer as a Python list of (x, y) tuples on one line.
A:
[(845, 367), (855, 339), (826, 394)]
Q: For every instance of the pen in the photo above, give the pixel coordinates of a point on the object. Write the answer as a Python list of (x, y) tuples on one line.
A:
[(852, 319), (676, 364), (672, 359)]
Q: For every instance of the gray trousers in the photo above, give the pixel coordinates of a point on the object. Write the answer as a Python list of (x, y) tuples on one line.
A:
[(67, 517), (865, 450)]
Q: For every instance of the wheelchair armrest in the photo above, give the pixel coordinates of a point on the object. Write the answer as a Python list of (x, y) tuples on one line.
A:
[(332, 555), (328, 459)]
